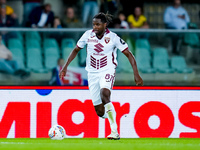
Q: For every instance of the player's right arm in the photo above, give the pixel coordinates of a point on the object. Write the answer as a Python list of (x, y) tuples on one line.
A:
[(80, 44), (72, 55)]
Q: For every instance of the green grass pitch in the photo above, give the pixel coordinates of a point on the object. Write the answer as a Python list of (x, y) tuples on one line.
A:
[(100, 143)]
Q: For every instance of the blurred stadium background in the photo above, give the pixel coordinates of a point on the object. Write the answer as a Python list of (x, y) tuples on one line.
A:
[(37, 50)]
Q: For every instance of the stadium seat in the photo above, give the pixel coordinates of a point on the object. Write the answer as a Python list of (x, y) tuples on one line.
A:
[(67, 45), (179, 64), (3, 42), (82, 57), (191, 39), (161, 60), (123, 63), (143, 59), (152, 8), (65, 53), (20, 36), (160, 52), (162, 65), (144, 65), (192, 25), (50, 43), (68, 42), (33, 43), (33, 35), (15, 43), (143, 53), (51, 52), (142, 43), (18, 55), (51, 55), (34, 59)]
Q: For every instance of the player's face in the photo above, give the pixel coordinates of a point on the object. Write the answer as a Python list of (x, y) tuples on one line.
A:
[(98, 26)]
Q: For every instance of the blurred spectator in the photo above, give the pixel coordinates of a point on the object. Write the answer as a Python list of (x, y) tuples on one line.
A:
[(137, 19), (56, 35), (111, 6), (116, 23), (6, 20), (128, 7), (29, 5), (55, 80), (9, 10), (57, 22), (70, 19), (8, 65), (74, 3), (90, 9), (176, 17), (42, 17), (124, 23)]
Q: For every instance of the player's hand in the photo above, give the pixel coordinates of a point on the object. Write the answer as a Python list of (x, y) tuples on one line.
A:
[(62, 73), (138, 80), (181, 16)]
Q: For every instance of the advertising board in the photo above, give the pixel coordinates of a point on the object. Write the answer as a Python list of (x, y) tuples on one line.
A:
[(29, 112)]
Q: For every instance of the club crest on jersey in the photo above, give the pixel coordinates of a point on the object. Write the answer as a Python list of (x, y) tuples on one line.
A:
[(107, 40)]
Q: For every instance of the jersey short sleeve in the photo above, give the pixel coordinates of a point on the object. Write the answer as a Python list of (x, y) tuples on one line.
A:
[(83, 40), (120, 43)]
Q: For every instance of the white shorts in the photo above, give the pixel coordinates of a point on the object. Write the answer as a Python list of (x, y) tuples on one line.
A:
[(97, 81)]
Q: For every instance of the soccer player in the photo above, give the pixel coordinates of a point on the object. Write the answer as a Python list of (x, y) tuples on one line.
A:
[(102, 45)]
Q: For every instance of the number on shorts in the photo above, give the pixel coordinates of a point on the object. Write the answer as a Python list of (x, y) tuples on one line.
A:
[(110, 78)]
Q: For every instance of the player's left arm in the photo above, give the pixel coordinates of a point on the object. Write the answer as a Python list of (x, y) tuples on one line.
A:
[(131, 58)]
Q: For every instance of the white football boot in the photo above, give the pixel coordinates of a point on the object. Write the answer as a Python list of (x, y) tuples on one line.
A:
[(113, 136)]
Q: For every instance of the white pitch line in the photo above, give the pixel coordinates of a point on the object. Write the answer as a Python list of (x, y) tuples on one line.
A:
[(22, 143), (13, 143)]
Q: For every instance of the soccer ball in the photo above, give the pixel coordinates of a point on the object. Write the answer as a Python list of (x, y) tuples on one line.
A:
[(57, 132)]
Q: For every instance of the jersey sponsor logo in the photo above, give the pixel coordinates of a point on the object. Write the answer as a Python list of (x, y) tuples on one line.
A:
[(93, 40), (98, 47), (107, 40), (122, 41)]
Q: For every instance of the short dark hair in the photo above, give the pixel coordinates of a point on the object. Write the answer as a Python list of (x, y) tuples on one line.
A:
[(105, 18)]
